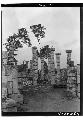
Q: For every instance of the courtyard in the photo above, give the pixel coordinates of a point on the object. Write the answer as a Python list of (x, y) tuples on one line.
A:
[(52, 100)]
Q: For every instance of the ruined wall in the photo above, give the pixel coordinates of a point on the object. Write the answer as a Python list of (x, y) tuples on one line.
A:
[(10, 83), (4, 69)]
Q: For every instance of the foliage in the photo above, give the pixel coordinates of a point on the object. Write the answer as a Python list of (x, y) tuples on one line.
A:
[(38, 31), (45, 51), (14, 42)]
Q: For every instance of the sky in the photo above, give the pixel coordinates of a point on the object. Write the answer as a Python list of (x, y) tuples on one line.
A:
[(62, 29)]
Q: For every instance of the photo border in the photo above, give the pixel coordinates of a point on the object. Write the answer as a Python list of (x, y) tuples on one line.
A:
[(81, 59)]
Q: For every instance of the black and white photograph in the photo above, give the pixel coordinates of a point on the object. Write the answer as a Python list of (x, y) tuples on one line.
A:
[(40, 59)]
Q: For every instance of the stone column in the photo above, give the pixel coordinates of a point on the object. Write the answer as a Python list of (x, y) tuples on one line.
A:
[(68, 68), (58, 67), (30, 64), (42, 68), (71, 75), (15, 80), (71, 81), (68, 57), (35, 65), (51, 66), (78, 80), (78, 73), (31, 68), (27, 65)]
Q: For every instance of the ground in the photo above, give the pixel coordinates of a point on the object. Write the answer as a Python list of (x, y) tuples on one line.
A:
[(53, 100)]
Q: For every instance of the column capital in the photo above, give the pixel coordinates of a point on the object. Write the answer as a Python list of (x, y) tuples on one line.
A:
[(57, 53), (78, 64), (68, 51), (34, 47), (52, 49)]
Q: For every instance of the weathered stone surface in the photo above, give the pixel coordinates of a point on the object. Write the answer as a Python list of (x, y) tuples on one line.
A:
[(4, 93), (71, 81), (35, 65), (78, 95), (68, 57), (51, 67), (58, 68), (4, 57), (9, 109), (10, 87), (78, 79), (9, 105), (42, 68), (78, 87), (17, 97)]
